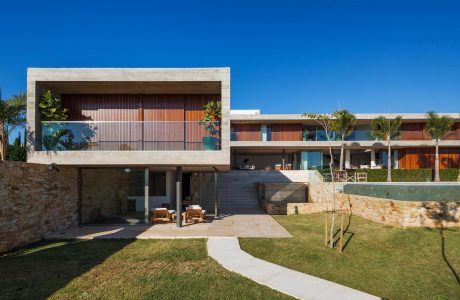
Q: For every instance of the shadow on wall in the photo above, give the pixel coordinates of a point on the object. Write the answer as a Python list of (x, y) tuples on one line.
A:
[(42, 269), (443, 213)]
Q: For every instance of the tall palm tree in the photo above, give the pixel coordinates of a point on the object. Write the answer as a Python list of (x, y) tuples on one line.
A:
[(12, 116), (343, 123), (386, 129), (437, 128)]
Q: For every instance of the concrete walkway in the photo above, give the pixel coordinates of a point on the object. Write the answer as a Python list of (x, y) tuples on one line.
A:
[(228, 253)]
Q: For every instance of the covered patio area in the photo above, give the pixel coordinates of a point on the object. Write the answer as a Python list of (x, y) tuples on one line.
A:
[(257, 224)]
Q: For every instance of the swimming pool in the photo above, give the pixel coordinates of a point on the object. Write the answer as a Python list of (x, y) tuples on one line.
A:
[(410, 191)]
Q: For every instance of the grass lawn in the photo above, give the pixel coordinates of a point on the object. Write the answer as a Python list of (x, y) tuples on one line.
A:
[(122, 269), (381, 260)]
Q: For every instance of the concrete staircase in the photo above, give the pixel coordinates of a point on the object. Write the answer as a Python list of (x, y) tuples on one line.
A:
[(238, 192)]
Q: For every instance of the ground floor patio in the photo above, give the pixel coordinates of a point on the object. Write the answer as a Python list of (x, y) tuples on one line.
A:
[(250, 224)]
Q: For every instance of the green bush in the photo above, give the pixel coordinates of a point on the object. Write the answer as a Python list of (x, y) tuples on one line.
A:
[(406, 175)]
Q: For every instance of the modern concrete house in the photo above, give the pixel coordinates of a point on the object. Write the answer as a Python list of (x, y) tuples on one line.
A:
[(137, 140), (295, 142)]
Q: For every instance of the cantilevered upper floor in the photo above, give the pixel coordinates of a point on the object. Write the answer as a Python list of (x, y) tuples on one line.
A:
[(130, 117)]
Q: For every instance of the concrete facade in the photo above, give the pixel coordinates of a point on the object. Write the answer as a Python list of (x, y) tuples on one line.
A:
[(143, 81)]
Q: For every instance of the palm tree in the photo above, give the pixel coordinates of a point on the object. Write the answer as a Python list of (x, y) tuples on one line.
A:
[(12, 116), (437, 128), (386, 129), (343, 123)]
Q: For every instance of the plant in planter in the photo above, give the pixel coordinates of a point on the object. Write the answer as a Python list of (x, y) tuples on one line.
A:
[(210, 121), (55, 137)]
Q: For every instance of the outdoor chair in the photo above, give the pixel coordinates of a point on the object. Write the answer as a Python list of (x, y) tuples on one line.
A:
[(361, 177), (195, 214), (160, 215)]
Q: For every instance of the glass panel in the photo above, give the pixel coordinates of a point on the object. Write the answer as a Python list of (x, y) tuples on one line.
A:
[(126, 136), (266, 132), (394, 159), (112, 196), (321, 135), (311, 160), (157, 184)]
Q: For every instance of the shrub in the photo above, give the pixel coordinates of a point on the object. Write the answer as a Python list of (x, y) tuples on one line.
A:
[(405, 175)]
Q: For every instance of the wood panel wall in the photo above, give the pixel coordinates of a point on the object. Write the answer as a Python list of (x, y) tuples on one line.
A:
[(246, 132), (286, 132), (454, 134), (416, 158), (413, 132), (163, 115)]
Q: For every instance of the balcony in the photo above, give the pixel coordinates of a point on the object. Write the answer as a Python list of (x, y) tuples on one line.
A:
[(130, 136)]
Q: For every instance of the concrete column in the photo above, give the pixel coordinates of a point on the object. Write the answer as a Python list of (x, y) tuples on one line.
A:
[(283, 161), (347, 159), (146, 196), (179, 196), (373, 164)]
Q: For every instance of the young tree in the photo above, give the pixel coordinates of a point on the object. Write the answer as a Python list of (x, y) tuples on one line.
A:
[(12, 116), (343, 123), (437, 128), (17, 151), (387, 129), (326, 121)]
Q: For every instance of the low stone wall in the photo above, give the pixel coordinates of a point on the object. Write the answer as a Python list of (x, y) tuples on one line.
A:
[(386, 211), (35, 201), (403, 213), (273, 208)]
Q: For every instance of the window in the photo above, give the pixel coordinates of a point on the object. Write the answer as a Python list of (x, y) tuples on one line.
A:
[(157, 184), (266, 131)]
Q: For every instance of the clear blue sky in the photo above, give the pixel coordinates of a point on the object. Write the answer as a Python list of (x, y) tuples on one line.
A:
[(286, 56)]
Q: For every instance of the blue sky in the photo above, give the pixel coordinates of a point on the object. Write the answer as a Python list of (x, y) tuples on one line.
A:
[(286, 56)]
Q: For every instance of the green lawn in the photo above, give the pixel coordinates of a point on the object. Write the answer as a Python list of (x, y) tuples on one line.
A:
[(381, 260), (122, 269)]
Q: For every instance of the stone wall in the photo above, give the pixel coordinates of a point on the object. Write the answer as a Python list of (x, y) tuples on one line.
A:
[(104, 193), (386, 211), (35, 201), (403, 213)]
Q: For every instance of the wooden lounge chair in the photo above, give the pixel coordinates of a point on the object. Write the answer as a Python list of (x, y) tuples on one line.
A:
[(195, 214), (160, 215)]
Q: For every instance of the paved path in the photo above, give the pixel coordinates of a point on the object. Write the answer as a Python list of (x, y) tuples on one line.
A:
[(228, 253), (254, 224)]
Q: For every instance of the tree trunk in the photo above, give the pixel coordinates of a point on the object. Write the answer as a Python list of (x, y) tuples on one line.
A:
[(341, 155), (331, 165), (2, 139), (389, 161), (436, 163)]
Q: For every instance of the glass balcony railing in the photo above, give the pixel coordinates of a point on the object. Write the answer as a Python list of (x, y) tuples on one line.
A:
[(130, 136)]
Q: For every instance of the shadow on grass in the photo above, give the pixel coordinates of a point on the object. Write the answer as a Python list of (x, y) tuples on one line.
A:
[(442, 213), (38, 271)]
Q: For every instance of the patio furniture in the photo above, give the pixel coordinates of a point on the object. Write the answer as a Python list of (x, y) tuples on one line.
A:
[(361, 177), (195, 214), (160, 215), (340, 176)]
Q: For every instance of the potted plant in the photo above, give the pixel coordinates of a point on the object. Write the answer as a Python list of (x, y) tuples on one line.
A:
[(210, 121)]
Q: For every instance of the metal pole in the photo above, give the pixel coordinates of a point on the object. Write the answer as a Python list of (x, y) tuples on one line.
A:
[(179, 196), (216, 198), (146, 196)]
